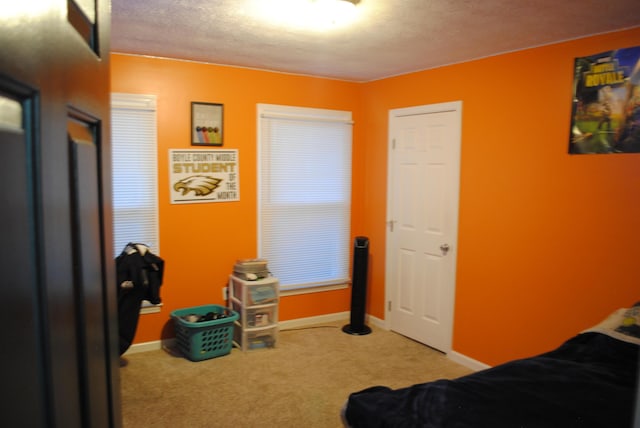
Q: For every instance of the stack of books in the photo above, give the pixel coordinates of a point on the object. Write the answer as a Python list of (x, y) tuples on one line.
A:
[(251, 269)]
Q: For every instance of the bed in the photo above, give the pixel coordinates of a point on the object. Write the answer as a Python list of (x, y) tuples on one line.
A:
[(589, 381)]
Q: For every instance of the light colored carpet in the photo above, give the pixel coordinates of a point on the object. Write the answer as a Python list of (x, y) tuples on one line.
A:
[(302, 382)]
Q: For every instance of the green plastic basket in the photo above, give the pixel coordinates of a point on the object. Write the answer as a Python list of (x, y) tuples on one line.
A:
[(203, 340)]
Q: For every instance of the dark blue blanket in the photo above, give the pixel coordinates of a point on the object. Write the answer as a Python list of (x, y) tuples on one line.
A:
[(589, 381)]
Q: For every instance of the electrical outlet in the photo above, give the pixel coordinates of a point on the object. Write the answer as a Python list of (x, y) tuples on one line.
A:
[(225, 293)]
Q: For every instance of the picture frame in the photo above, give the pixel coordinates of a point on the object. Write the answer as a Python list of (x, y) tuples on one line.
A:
[(207, 127)]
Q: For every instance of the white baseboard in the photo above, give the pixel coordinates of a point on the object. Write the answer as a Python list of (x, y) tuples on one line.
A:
[(303, 322), (377, 322), (155, 345), (463, 360), (296, 323), (338, 316)]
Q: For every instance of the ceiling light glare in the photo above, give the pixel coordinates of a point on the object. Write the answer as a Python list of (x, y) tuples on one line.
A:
[(16, 12), (308, 14)]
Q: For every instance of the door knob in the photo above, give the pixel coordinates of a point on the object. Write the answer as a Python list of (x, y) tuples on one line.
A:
[(444, 248)]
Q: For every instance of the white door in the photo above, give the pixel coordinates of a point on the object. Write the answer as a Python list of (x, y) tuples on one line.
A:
[(424, 171)]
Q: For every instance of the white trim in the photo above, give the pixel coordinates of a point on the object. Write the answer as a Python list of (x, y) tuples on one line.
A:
[(133, 101), (169, 344), (149, 308), (319, 319), (303, 322), (154, 345), (313, 289), (375, 321), (271, 115), (303, 113), (461, 359)]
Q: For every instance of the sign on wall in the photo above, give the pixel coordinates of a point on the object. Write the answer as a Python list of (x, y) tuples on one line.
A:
[(197, 176), (606, 103)]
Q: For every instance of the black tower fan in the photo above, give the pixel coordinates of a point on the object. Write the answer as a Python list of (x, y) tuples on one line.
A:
[(359, 287)]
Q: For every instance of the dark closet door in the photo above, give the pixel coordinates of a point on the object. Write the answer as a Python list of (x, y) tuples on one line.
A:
[(59, 358)]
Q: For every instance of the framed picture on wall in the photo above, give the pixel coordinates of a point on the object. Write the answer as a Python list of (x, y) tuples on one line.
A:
[(206, 124)]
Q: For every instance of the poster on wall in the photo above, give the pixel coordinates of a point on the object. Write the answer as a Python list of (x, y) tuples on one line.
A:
[(197, 176), (606, 103)]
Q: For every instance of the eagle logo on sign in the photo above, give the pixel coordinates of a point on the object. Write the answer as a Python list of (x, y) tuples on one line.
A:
[(201, 185)]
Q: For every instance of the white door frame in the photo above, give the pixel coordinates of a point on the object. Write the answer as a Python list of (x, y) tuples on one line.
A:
[(454, 106)]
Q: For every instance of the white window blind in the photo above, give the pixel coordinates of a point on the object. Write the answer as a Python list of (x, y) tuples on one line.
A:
[(134, 170), (304, 194)]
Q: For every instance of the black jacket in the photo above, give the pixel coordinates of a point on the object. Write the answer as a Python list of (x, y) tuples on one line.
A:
[(138, 268), (139, 277)]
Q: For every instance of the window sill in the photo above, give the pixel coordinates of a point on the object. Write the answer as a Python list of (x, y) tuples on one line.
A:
[(149, 308), (312, 289)]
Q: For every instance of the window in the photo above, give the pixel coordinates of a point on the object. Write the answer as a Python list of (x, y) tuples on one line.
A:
[(134, 170), (304, 195)]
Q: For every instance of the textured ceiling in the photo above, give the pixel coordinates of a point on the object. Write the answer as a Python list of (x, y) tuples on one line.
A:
[(387, 38)]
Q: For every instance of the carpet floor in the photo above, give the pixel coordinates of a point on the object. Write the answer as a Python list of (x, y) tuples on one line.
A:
[(302, 382)]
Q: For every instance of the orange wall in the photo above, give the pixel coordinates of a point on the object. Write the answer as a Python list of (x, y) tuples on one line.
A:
[(548, 242), (201, 242)]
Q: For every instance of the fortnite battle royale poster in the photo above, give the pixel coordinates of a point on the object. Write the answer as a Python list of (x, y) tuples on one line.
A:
[(606, 103)]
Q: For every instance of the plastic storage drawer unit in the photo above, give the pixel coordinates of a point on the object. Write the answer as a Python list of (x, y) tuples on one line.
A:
[(256, 316), (257, 292), (257, 304), (257, 338)]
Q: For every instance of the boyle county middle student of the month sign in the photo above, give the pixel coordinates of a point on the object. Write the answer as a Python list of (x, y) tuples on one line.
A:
[(197, 176)]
